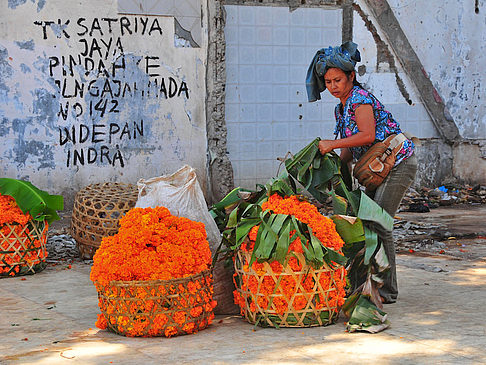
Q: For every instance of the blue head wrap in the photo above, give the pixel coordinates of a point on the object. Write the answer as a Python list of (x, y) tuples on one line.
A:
[(343, 57)]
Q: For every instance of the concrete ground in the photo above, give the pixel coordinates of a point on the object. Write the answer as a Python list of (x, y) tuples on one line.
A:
[(48, 318)]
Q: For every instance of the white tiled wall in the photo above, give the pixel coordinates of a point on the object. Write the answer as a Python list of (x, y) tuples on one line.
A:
[(268, 51)]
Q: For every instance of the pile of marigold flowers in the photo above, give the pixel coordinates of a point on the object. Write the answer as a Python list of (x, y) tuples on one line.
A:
[(167, 260), (18, 246), (270, 286)]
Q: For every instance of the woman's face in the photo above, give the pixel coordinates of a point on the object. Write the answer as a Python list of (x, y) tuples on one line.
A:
[(338, 84)]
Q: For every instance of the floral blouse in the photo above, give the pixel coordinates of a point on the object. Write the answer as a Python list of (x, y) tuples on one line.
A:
[(384, 123)]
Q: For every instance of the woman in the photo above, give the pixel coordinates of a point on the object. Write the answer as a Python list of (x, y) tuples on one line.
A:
[(361, 121)]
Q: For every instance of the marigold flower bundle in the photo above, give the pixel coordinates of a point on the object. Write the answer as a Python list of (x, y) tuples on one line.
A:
[(22, 243), (152, 276), (270, 289)]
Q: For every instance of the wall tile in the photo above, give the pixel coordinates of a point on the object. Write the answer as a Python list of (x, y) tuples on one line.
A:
[(264, 35), (231, 35), (281, 112), (232, 72), (280, 74), (265, 112), (281, 55), (264, 55), (246, 55), (246, 35), (264, 93), (281, 16), (332, 19), (248, 150), (280, 148), (280, 131), (232, 112), (281, 36), (297, 56), (246, 74), (264, 16), (246, 15), (297, 36), (313, 36), (264, 73), (232, 55), (248, 113), (427, 129), (264, 149), (266, 168), (280, 93), (247, 132), (247, 93), (232, 94)]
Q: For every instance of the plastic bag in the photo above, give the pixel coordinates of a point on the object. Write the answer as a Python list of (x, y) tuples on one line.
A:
[(181, 193)]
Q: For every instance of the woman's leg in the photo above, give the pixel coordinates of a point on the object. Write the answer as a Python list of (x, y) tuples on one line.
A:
[(389, 195)]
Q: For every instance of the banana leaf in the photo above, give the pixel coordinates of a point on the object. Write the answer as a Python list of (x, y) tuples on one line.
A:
[(339, 204), (349, 228), (371, 243), (364, 315), (38, 203), (369, 210)]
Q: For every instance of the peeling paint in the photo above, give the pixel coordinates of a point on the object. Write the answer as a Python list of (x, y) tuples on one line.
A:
[(12, 4), (26, 44), (24, 68), (40, 5), (45, 107), (4, 128), (26, 150), (384, 54), (6, 72), (183, 37)]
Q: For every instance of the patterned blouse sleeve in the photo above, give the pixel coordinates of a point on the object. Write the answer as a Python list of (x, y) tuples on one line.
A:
[(361, 97)]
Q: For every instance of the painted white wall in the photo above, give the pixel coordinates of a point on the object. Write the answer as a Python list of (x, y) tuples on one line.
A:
[(449, 37), (382, 83), (268, 51), (32, 134)]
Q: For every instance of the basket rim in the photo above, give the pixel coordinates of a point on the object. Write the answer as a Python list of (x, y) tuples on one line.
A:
[(203, 273)]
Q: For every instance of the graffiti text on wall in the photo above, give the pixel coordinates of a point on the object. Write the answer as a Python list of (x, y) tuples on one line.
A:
[(100, 84)]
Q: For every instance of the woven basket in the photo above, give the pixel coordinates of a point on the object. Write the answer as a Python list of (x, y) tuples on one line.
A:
[(305, 307), (96, 212), (23, 248), (168, 308)]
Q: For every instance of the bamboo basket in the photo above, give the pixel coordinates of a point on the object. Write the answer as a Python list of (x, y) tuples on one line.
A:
[(319, 309), (168, 308), (96, 212), (23, 248)]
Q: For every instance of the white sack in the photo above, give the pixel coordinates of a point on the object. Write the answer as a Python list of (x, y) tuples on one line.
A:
[(181, 193)]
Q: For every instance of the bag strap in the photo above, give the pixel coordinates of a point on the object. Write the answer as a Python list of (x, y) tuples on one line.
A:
[(393, 143)]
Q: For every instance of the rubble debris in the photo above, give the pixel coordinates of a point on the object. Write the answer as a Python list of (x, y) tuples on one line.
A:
[(62, 248), (424, 199)]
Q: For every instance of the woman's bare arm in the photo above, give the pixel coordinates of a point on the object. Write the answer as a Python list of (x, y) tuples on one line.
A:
[(365, 136)]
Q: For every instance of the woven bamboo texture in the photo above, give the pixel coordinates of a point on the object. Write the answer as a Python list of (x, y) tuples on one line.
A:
[(23, 248), (311, 315), (96, 212), (168, 308)]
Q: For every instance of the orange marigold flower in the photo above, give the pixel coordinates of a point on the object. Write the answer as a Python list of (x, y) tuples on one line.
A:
[(152, 244), (260, 280)]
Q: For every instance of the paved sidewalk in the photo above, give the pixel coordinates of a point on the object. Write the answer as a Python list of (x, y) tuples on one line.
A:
[(48, 318)]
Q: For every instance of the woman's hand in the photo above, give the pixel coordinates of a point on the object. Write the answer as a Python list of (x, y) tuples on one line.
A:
[(325, 146)]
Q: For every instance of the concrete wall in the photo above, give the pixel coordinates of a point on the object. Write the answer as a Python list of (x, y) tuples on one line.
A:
[(91, 94), (452, 47), (449, 39)]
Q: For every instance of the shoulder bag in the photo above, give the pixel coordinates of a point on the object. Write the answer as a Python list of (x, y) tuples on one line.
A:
[(374, 166)]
